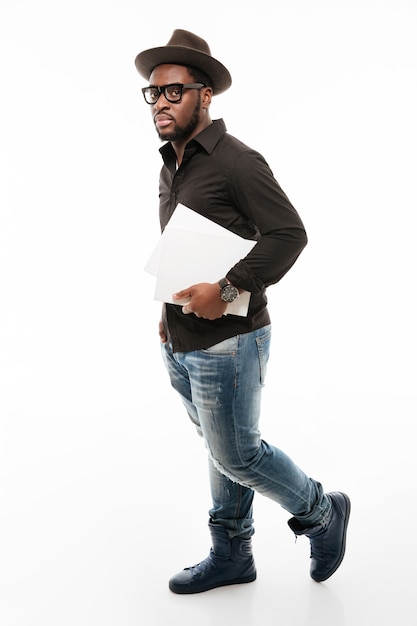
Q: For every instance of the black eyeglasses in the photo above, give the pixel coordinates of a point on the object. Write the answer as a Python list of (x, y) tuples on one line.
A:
[(172, 93)]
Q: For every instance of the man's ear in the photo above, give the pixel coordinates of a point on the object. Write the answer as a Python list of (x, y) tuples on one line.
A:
[(207, 94)]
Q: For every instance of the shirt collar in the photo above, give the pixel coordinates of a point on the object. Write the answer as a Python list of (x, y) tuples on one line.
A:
[(208, 138)]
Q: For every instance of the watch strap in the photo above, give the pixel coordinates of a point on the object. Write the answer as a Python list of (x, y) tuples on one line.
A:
[(223, 282)]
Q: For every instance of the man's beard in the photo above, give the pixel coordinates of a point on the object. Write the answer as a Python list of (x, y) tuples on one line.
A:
[(180, 132)]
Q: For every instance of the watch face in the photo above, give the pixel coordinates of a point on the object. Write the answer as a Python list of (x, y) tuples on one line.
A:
[(229, 293)]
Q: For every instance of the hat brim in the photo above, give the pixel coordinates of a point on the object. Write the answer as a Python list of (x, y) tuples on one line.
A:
[(147, 60)]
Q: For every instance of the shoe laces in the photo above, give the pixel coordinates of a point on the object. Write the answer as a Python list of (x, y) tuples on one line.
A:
[(204, 566)]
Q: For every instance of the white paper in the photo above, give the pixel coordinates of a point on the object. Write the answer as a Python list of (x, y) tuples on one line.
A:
[(193, 249)]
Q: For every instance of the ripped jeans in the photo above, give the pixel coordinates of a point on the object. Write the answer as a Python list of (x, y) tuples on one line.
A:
[(221, 389)]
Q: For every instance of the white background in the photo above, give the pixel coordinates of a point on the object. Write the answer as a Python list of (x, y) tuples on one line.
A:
[(103, 490)]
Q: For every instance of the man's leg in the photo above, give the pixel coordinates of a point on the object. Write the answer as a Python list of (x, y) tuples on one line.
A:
[(232, 504), (230, 560)]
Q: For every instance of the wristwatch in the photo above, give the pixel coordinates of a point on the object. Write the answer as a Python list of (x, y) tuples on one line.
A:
[(228, 292)]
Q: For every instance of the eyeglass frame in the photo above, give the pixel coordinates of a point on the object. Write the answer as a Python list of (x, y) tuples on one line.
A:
[(162, 90)]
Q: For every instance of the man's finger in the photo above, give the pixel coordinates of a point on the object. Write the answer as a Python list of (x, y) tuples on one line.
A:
[(182, 294)]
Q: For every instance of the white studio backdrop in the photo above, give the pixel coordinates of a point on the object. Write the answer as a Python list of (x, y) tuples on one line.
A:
[(327, 92)]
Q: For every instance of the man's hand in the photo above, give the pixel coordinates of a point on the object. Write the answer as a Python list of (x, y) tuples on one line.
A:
[(204, 300), (162, 333)]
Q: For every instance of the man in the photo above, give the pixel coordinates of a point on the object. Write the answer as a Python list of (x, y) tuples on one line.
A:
[(217, 361)]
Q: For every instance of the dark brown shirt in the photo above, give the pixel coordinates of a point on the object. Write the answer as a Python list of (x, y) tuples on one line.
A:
[(232, 185)]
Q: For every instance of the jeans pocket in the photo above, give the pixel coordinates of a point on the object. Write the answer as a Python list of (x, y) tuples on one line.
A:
[(228, 346)]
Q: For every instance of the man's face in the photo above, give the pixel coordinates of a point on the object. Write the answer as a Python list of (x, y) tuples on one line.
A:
[(178, 121)]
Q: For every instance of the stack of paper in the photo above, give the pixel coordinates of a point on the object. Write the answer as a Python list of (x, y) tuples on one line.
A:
[(193, 249)]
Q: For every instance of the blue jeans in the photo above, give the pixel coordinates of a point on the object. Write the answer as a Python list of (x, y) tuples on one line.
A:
[(221, 388)]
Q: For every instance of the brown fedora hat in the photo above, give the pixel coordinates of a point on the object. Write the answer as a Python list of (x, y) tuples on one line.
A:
[(185, 48)]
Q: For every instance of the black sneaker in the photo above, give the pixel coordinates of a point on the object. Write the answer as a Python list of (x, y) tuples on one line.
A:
[(327, 539), (230, 562)]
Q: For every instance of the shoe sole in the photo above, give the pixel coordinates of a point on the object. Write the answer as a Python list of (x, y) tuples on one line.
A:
[(189, 590), (342, 554)]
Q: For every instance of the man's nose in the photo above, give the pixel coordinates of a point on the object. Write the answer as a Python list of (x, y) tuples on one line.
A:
[(161, 103)]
